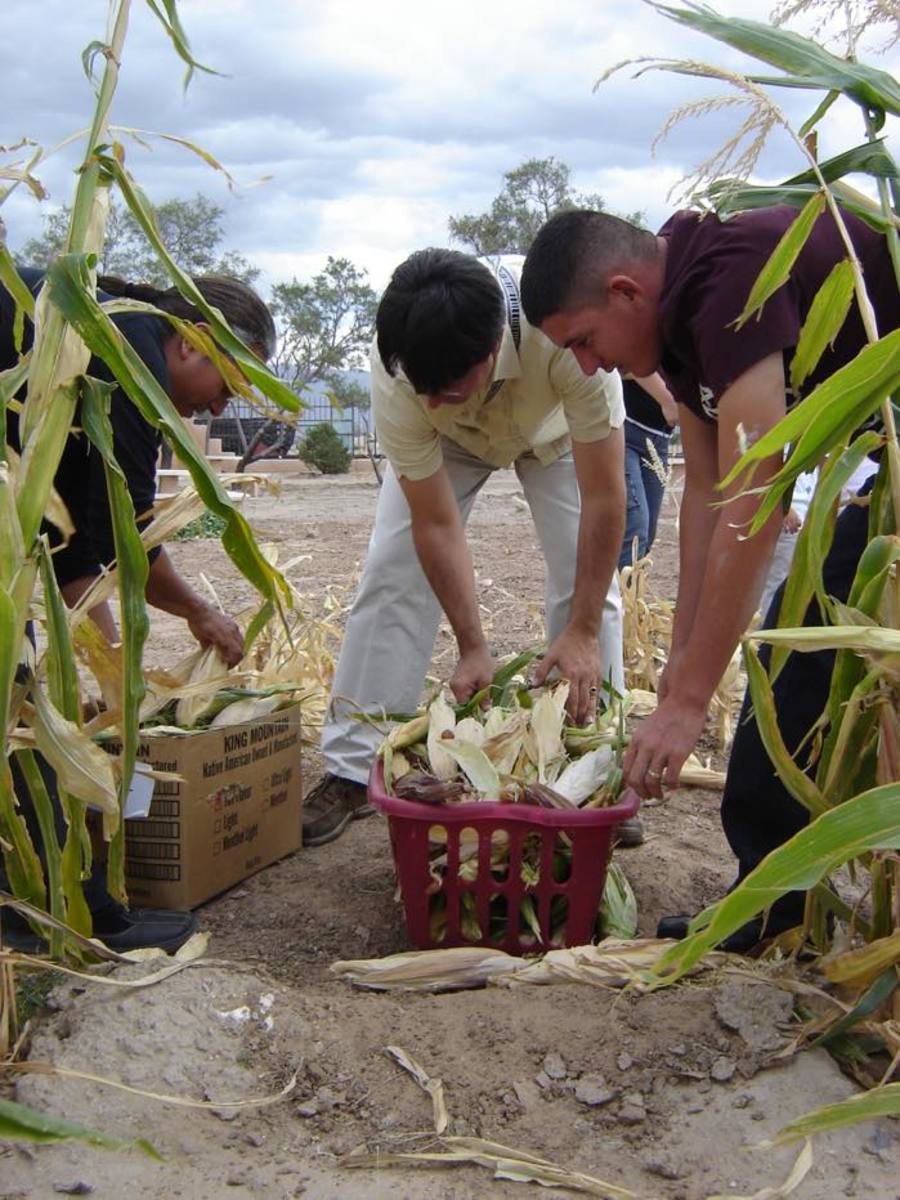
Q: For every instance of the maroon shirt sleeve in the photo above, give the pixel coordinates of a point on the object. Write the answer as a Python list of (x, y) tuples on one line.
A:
[(724, 353)]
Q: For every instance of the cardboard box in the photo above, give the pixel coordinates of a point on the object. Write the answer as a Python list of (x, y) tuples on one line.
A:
[(236, 809)]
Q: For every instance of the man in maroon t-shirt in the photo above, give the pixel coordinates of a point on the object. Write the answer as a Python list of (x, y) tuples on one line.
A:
[(619, 296)]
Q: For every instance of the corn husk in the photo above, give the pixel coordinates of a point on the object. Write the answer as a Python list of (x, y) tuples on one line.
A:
[(614, 962), (618, 908), (543, 741), (441, 721), (434, 1087), (584, 775), (249, 709), (201, 686)]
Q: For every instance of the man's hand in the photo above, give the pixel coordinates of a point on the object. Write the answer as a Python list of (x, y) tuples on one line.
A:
[(213, 628), (474, 671), (576, 657), (659, 746)]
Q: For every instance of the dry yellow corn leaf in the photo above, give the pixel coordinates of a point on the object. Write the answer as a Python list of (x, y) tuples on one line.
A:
[(81, 766), (799, 1171), (517, 1166), (434, 1087), (857, 968)]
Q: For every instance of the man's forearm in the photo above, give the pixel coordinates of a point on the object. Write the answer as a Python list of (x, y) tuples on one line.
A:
[(445, 559), (169, 591), (731, 585), (600, 533), (696, 527)]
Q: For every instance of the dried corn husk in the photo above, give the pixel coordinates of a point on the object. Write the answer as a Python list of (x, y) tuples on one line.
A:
[(201, 687), (249, 709), (614, 962), (441, 722), (618, 908), (543, 741), (584, 775)]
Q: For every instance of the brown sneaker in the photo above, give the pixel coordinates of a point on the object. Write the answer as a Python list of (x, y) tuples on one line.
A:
[(329, 806), (629, 832)]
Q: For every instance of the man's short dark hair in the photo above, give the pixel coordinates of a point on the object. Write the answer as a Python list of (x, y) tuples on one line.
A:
[(442, 313), (573, 255)]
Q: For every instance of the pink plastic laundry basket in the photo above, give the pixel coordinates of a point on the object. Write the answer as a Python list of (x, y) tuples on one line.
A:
[(590, 833)]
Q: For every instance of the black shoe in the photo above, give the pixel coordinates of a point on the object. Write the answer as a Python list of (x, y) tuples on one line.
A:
[(629, 832), (122, 929), (330, 806), (118, 928), (742, 941)]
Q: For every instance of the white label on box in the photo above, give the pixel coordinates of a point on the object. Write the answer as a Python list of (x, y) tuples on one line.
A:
[(137, 802)]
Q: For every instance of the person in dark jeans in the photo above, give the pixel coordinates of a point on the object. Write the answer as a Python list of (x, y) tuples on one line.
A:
[(194, 384), (650, 416), (621, 296)]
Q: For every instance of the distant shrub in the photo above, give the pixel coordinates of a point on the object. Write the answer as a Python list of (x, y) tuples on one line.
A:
[(323, 448), (209, 525)]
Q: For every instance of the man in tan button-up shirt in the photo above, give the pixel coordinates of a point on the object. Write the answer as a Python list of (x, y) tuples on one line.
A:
[(462, 385)]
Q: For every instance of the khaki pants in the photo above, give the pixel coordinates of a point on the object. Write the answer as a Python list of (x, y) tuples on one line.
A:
[(392, 626)]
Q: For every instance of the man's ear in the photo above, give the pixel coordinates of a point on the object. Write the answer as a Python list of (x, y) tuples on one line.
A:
[(625, 288)]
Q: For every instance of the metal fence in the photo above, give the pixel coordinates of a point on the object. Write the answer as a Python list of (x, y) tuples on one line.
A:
[(355, 427)]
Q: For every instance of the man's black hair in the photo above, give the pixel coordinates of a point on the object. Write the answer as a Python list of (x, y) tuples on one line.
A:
[(573, 255), (442, 313)]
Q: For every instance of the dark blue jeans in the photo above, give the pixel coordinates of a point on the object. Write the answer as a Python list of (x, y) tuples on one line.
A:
[(643, 489)]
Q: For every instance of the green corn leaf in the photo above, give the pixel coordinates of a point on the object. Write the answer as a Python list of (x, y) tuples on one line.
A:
[(166, 12), (869, 158), (872, 575), (814, 540), (867, 1106), (65, 693), (820, 110), (259, 375), (824, 321), (68, 283), (777, 270), (21, 1124), (22, 863), (729, 196), (849, 738), (805, 63), (797, 782), (14, 284), (869, 640), (877, 994), (870, 821), (839, 405), (43, 809), (133, 571), (12, 546)]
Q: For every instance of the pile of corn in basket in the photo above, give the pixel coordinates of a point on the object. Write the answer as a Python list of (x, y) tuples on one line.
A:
[(519, 752)]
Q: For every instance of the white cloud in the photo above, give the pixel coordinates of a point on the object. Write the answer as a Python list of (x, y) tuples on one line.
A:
[(375, 121)]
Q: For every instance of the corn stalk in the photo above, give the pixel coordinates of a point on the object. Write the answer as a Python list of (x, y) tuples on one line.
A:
[(850, 782), (40, 697)]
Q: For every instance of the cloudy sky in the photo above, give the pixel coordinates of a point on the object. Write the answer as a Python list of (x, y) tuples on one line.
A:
[(376, 119)]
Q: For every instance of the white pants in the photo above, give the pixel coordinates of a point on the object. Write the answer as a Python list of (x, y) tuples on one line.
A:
[(392, 626)]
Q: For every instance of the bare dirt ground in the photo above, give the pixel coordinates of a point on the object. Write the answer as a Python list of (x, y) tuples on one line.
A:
[(660, 1094)]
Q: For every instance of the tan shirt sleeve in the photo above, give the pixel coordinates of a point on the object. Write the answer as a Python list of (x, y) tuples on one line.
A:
[(405, 435), (593, 404)]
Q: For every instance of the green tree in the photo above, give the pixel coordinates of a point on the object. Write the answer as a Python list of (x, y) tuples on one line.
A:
[(325, 326), (531, 194), (192, 230)]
